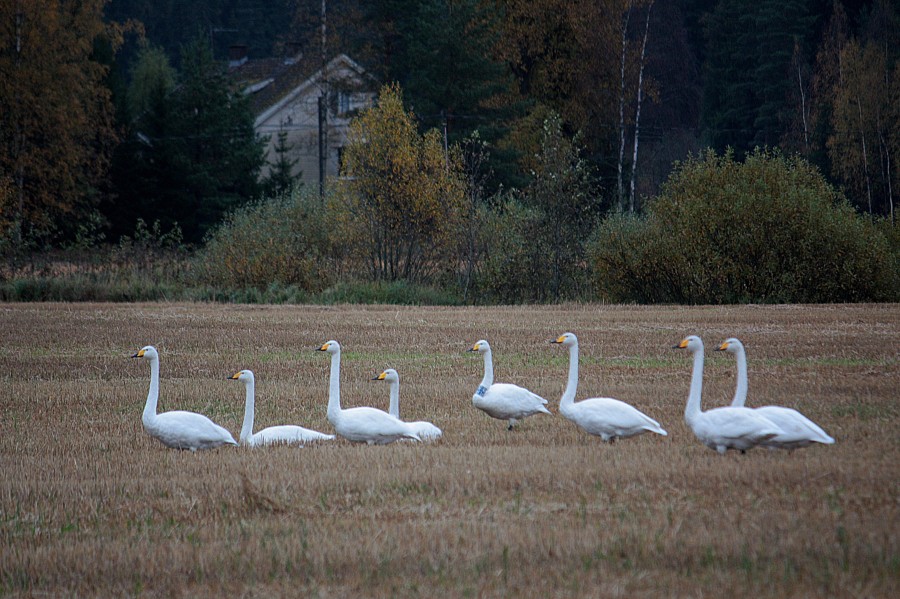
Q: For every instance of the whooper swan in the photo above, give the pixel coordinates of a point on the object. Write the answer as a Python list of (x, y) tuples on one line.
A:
[(799, 431), (721, 428), (287, 433), (426, 430), (608, 418), (369, 425), (503, 401), (178, 429)]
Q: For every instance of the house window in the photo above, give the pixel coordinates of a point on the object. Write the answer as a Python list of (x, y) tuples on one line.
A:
[(343, 102)]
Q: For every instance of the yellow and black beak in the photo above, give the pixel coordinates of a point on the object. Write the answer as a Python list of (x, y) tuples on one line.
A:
[(380, 377), (140, 354), (682, 345), (723, 347), (234, 376), (473, 348), (559, 339), (323, 348)]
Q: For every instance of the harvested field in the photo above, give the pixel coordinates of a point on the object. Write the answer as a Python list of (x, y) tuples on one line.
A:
[(92, 506)]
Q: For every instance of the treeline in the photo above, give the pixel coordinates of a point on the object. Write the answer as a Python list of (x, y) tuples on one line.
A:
[(766, 229), (547, 145)]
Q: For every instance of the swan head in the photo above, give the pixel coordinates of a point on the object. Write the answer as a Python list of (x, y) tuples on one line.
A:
[(480, 347), (332, 347), (692, 343), (566, 340), (148, 352), (245, 376), (732, 346), (390, 375)]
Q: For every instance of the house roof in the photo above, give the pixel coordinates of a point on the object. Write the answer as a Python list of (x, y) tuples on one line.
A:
[(272, 82)]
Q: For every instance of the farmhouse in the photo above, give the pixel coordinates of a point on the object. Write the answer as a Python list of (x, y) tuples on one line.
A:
[(309, 108)]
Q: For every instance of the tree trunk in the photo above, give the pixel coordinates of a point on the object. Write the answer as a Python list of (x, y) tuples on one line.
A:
[(621, 185), (884, 147), (862, 134), (803, 112), (637, 115)]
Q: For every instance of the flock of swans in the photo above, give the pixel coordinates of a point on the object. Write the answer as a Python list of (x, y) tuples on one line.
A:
[(732, 427)]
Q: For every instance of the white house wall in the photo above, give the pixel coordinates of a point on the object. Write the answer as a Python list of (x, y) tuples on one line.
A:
[(297, 114)]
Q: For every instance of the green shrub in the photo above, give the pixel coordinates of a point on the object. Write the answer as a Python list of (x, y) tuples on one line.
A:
[(506, 274), (281, 241), (770, 229)]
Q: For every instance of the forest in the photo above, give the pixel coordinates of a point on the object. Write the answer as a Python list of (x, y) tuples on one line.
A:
[(683, 151)]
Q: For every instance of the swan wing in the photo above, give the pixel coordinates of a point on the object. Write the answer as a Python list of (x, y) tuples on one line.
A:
[(610, 417), (372, 425), (189, 430), (798, 430), (740, 428), (505, 401), (288, 434)]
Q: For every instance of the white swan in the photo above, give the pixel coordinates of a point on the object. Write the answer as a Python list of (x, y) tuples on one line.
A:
[(370, 425), (178, 429), (799, 431), (608, 418), (721, 428), (286, 433), (502, 400), (426, 430)]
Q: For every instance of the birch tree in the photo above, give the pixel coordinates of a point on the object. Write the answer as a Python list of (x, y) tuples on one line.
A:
[(631, 92), (637, 110), (623, 62), (863, 124)]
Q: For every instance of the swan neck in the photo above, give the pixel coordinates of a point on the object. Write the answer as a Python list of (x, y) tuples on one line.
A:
[(693, 404), (568, 397), (153, 394), (394, 409), (334, 386), (740, 393), (249, 412), (488, 379)]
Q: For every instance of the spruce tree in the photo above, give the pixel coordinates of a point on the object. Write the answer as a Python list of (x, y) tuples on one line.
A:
[(193, 154)]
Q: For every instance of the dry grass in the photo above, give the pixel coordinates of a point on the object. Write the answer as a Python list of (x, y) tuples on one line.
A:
[(91, 506)]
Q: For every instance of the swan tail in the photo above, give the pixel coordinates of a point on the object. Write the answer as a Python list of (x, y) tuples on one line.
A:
[(819, 435), (654, 427)]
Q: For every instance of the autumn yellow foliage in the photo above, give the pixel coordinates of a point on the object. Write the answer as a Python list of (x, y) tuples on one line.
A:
[(401, 195)]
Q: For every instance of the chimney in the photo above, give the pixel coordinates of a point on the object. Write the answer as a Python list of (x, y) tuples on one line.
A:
[(237, 55)]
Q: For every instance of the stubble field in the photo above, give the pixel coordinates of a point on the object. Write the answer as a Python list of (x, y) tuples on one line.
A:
[(92, 506)]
